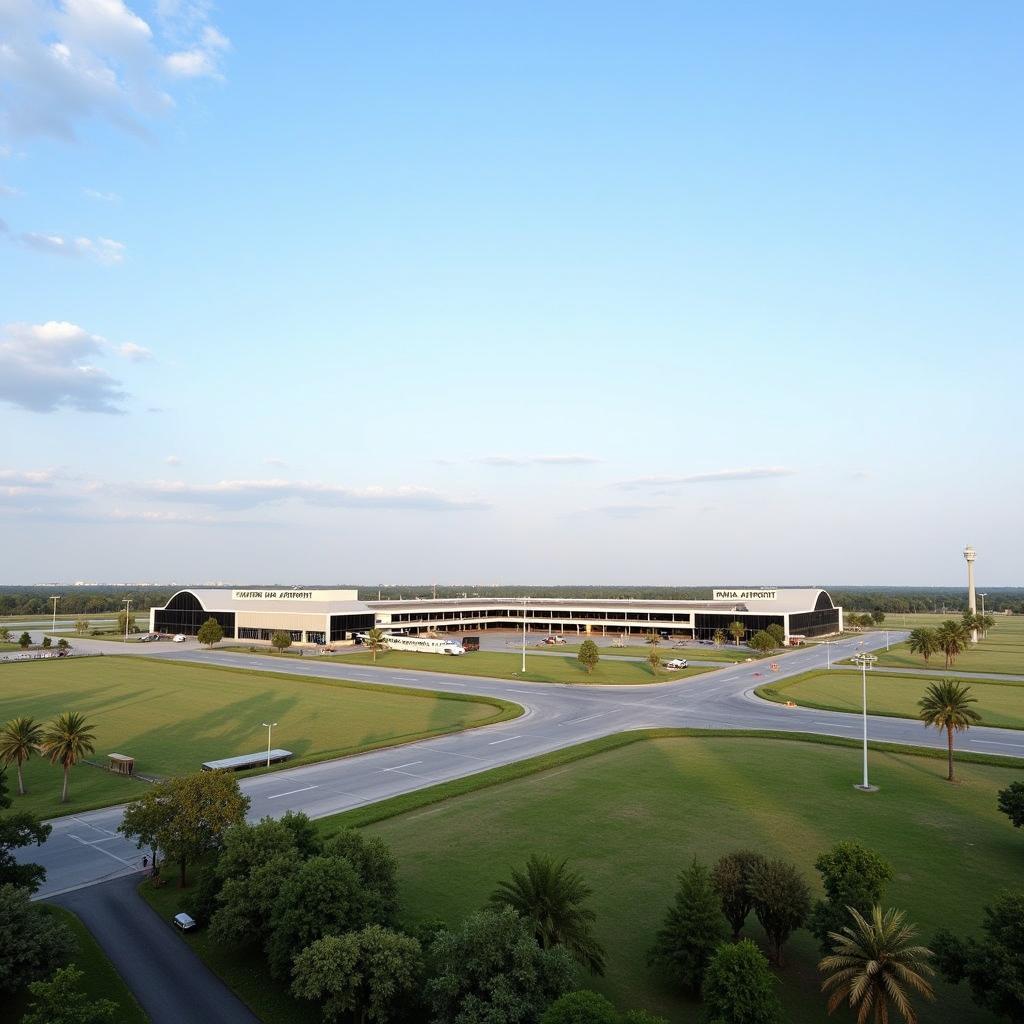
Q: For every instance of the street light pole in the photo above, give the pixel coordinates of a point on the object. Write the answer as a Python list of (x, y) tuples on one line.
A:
[(524, 636), (269, 727), (865, 661), (56, 597), (127, 616)]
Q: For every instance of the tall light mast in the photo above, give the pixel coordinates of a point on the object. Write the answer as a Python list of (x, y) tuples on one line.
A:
[(972, 602)]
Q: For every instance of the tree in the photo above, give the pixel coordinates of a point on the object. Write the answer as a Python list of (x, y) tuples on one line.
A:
[(874, 964), (281, 641), (375, 641), (1011, 803), (762, 641), (66, 741), (24, 641), (63, 644), (653, 639), (588, 655), (360, 976), (654, 660), (641, 1017), (210, 632), (32, 943), (777, 633), (692, 930), (6, 637), (878, 616), (47, 643), (718, 637), (853, 877), (737, 631), (491, 970), (126, 623), (993, 966), (782, 901), (550, 896), (739, 987), (731, 878), (82, 626), (951, 638), (580, 1007), (322, 896), (946, 705), (17, 831), (19, 740), (923, 641), (60, 1000), (376, 867), (187, 816)]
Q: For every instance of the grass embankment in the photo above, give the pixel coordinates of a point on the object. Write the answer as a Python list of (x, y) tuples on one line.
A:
[(171, 717), (1002, 651), (608, 672), (999, 703), (100, 981), (631, 810), (666, 650)]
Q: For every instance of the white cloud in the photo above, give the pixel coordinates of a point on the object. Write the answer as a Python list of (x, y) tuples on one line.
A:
[(9, 191), (716, 476), (103, 250), (279, 463), (135, 353), (630, 511), (65, 61), (173, 460), (46, 367), (100, 197), (538, 460), (239, 494)]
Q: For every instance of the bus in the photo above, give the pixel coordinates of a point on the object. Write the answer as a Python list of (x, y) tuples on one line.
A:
[(420, 644)]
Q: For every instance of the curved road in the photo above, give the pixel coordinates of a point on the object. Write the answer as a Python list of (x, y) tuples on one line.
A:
[(85, 849)]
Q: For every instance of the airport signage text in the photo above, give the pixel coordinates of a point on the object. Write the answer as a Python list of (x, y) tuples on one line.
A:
[(272, 595), (743, 595)]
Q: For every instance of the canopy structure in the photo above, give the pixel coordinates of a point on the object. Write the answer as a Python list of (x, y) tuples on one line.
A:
[(243, 761), (122, 764)]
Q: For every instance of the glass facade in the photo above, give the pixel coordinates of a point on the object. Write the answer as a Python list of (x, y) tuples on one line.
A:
[(254, 633), (816, 623), (343, 626), (184, 614)]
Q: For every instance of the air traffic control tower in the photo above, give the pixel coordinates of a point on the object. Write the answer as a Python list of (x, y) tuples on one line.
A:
[(972, 602)]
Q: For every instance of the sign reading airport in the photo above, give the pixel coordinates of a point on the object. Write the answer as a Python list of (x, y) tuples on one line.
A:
[(293, 595), (743, 595)]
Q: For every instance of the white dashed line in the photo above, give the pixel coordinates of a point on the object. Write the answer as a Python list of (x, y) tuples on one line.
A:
[(408, 764), (505, 740), (292, 792)]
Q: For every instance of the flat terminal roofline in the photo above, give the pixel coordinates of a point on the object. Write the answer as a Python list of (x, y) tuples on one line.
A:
[(247, 760)]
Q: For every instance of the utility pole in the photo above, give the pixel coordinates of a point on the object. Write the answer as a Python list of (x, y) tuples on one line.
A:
[(127, 616), (54, 598), (865, 661), (269, 726)]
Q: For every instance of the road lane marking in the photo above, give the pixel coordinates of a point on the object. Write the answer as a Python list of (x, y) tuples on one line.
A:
[(996, 743), (292, 792), (833, 725), (408, 764), (99, 849), (505, 740), (576, 721)]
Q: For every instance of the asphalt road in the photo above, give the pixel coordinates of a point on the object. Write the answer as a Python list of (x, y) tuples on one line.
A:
[(85, 849), (170, 982)]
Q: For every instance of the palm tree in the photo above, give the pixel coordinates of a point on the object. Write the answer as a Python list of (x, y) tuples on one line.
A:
[(718, 638), (653, 639), (923, 641), (952, 638), (19, 740), (873, 965), (66, 741), (737, 631), (945, 705), (550, 895), (987, 622), (375, 641)]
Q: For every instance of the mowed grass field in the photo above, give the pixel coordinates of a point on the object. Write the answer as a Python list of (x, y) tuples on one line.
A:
[(629, 819), (667, 650), (999, 703), (172, 717), (1002, 651), (540, 668)]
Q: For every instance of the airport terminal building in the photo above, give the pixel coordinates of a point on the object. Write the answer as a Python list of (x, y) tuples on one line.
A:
[(336, 616)]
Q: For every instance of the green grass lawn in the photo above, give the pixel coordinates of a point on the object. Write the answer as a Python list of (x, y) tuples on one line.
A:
[(630, 815), (101, 980), (172, 717), (539, 669), (1000, 704), (1002, 651), (666, 650)]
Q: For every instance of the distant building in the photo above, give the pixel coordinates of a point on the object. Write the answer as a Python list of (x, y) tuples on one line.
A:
[(335, 616)]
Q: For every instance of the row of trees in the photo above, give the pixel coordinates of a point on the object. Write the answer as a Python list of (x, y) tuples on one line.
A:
[(950, 638), (65, 741), (25, 641)]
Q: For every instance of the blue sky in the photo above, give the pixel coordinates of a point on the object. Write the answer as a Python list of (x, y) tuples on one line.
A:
[(560, 292)]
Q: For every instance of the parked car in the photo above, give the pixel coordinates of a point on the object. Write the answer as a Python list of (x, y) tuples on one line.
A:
[(180, 638), (675, 663), (186, 922)]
